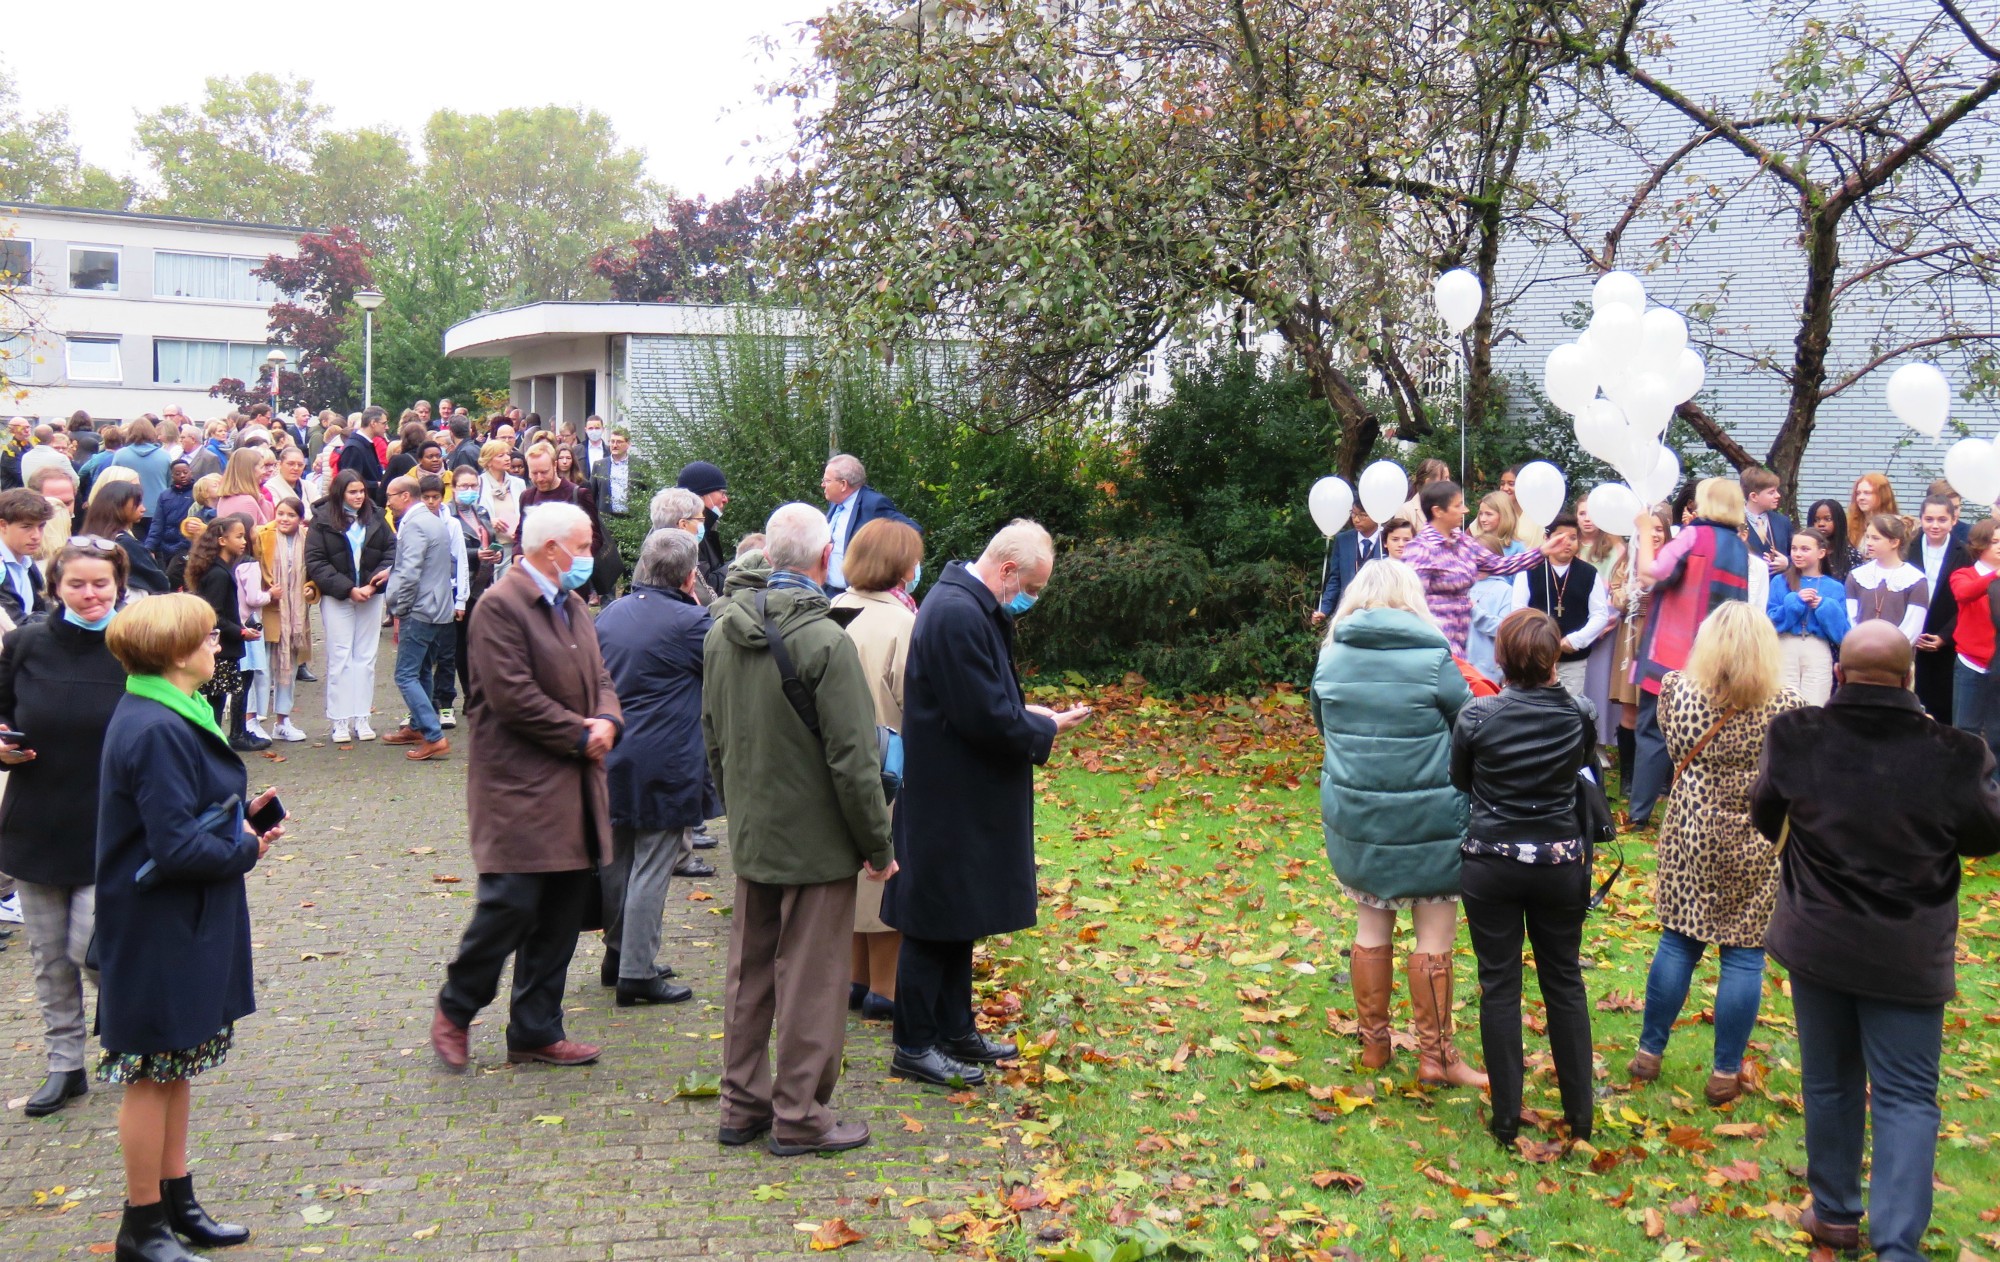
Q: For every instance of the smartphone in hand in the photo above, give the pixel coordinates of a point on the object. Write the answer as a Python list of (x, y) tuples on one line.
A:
[(268, 816)]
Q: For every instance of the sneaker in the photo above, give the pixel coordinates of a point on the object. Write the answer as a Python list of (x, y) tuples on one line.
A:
[(286, 732), (363, 732), (446, 718), (252, 727), (10, 909), (343, 733)]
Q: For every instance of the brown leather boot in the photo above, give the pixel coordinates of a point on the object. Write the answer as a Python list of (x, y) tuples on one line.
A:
[(1438, 1064), (1373, 973)]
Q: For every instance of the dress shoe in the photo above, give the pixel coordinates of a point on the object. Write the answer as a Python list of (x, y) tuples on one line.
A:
[(145, 1235), (58, 1089), (839, 1137), (186, 1216), (704, 841), (657, 990), (692, 866), (1721, 1088), (245, 743), (856, 992), (1645, 1067), (404, 736), (449, 1042), (607, 972), (875, 1008), (977, 1047), (933, 1066), (305, 675), (1845, 1237), (428, 750), (737, 1136), (566, 1052)]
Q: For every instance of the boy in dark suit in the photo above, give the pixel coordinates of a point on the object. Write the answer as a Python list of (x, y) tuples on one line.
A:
[(1353, 548)]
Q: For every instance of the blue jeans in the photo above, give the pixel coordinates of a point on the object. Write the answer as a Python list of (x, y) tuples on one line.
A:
[(438, 673), (416, 647), (1652, 768), (1972, 708), (1856, 1055), (1737, 996)]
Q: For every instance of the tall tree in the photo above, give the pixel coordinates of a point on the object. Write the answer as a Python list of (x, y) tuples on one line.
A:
[(1868, 141), (550, 187), (40, 163), (317, 285), (704, 252)]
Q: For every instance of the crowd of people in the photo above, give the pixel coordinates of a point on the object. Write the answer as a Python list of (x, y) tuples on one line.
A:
[(875, 760)]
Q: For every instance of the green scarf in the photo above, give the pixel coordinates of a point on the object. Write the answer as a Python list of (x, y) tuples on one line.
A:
[(195, 711)]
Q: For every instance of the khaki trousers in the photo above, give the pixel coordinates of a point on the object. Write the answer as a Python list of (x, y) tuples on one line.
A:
[(788, 955)]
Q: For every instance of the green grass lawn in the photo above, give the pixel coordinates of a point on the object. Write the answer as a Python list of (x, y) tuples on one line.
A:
[(1182, 1000)]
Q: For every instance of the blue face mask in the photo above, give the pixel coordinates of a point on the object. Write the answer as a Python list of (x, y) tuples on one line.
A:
[(1021, 603), (700, 531), (578, 573), (915, 578), (468, 497), (69, 616)]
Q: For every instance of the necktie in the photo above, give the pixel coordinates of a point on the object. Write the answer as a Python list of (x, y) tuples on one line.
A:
[(1367, 551)]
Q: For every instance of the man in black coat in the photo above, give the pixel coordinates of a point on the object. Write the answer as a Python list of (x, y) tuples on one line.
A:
[(358, 453), (965, 823), (705, 480), (1938, 554), (1881, 803)]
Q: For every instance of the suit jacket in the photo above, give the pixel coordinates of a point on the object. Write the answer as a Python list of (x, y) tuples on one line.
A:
[(10, 600), (536, 802), (1781, 531), (867, 504), (638, 492), (358, 453), (1344, 565)]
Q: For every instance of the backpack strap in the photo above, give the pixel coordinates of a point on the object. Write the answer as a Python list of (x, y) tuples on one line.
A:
[(795, 688)]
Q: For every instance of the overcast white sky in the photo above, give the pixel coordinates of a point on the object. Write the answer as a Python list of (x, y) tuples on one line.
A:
[(678, 78)]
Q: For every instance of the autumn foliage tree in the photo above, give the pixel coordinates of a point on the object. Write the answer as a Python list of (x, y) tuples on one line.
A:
[(704, 252), (318, 285)]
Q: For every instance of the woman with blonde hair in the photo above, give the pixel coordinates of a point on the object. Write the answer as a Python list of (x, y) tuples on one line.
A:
[(881, 559), (500, 495), (242, 491), (1384, 696), (1717, 880), (1492, 597)]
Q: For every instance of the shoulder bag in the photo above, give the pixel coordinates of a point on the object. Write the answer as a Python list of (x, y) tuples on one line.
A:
[(888, 741)]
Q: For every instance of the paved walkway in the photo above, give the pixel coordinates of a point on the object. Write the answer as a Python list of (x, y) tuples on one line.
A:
[(332, 1134)]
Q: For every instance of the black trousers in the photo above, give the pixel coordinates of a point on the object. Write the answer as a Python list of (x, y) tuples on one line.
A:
[(1502, 899), (462, 660), (534, 917), (933, 992)]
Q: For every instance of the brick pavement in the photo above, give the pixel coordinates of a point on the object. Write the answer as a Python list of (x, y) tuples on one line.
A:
[(331, 1100)]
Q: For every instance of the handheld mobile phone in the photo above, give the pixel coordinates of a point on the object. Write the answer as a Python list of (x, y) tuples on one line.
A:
[(272, 815)]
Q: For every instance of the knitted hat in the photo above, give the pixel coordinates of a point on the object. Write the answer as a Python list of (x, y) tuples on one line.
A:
[(702, 478)]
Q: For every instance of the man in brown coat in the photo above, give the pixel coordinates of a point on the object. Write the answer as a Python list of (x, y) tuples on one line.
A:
[(542, 714)]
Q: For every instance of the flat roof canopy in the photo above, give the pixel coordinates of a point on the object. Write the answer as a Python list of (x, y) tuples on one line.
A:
[(493, 334)]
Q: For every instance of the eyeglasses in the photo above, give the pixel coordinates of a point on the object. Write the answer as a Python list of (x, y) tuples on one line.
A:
[(93, 543), (214, 637)]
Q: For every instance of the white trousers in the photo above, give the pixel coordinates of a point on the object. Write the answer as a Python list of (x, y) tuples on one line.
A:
[(1572, 675), (1808, 667), (353, 634)]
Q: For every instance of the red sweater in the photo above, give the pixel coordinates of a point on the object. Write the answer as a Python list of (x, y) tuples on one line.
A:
[(1973, 633)]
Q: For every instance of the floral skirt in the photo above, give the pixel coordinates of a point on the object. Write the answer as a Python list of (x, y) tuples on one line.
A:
[(1394, 904), (227, 680), (166, 1066)]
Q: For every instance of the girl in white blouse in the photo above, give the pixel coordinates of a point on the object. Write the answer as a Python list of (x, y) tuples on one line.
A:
[(1888, 587)]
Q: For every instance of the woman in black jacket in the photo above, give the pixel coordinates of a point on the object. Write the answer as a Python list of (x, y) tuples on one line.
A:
[(58, 687), (211, 575), (349, 549), (1517, 756), (115, 512)]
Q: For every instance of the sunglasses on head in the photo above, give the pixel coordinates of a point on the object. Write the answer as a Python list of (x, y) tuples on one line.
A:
[(92, 543)]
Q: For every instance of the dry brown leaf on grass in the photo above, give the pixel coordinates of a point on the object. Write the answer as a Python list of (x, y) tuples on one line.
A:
[(911, 1124), (1339, 1178), (832, 1234), (1656, 1224)]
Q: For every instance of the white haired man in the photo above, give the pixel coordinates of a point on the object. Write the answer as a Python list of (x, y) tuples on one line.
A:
[(543, 715), (807, 813), (851, 504), (965, 823)]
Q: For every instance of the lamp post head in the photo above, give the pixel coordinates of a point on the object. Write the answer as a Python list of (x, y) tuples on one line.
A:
[(368, 299)]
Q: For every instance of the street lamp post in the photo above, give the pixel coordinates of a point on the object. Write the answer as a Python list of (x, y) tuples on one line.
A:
[(367, 300), (277, 361)]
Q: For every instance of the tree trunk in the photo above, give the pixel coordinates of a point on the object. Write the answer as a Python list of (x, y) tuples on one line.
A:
[(1788, 449), (1358, 425), (1479, 365)]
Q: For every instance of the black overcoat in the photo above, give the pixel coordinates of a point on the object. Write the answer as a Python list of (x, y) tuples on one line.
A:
[(652, 642), (174, 957), (965, 820), (59, 685)]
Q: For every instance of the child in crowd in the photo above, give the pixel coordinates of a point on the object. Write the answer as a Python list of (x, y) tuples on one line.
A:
[(1887, 587), (1809, 609)]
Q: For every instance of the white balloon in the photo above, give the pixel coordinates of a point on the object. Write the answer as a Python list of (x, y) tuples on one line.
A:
[(1614, 508), (1652, 405), (1603, 432), (1330, 501), (1920, 397), (1653, 474), (1383, 488), (1614, 333), (1972, 466), (1458, 296), (1663, 335), (1688, 374), (1569, 378), (1539, 490), (1618, 289)]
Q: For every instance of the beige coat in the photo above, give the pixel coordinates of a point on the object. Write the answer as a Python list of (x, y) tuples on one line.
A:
[(882, 636)]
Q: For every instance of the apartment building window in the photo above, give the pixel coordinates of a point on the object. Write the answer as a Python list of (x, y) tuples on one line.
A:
[(17, 356), (92, 359), (93, 269), (215, 277), (191, 363), (17, 262)]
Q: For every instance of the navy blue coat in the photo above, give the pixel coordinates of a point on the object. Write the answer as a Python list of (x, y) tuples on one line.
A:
[(175, 958), (869, 504), (651, 641), (965, 820), (1344, 565), (1781, 531)]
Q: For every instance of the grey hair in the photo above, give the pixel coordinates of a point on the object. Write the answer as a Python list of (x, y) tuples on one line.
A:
[(544, 522), (847, 469), (673, 506), (1021, 541), (796, 536), (666, 558)]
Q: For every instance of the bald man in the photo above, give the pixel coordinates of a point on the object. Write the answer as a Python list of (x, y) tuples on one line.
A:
[(1878, 805)]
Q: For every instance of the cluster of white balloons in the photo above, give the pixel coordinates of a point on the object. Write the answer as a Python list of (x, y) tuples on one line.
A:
[(1640, 360), (1385, 488)]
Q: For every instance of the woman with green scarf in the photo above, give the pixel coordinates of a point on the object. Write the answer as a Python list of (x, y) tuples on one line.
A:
[(173, 924)]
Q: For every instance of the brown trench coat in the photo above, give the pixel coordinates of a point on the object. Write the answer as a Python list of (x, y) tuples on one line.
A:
[(536, 803)]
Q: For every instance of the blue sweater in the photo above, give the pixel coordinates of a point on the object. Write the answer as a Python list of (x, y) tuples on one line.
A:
[(1791, 615)]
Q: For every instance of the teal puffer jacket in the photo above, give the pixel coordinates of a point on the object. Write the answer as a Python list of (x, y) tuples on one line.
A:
[(1384, 697)]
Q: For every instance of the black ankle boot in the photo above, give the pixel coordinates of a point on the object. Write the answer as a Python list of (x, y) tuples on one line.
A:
[(1628, 747), (145, 1236), (192, 1221)]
